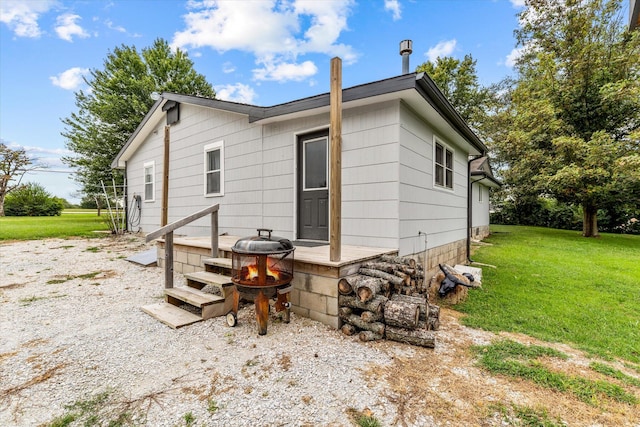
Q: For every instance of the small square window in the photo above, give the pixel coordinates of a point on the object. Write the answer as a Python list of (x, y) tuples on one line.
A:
[(214, 169), (149, 181), (443, 166)]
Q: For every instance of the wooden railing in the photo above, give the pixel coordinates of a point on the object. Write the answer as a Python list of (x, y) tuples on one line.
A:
[(167, 232)]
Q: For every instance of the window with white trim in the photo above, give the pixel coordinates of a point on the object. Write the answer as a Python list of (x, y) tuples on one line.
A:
[(443, 165), (214, 169), (480, 191), (149, 181)]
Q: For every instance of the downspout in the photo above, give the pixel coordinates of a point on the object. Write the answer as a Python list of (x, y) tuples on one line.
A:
[(126, 198)]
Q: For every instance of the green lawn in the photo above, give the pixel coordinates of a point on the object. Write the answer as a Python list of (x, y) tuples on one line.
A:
[(558, 286), (74, 223)]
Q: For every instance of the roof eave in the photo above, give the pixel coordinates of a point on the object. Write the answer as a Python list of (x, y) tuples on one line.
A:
[(485, 179), (434, 96)]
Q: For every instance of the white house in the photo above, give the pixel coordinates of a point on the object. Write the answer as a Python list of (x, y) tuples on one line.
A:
[(482, 181), (405, 168)]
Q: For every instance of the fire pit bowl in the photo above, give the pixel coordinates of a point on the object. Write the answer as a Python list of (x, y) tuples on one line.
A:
[(262, 268)]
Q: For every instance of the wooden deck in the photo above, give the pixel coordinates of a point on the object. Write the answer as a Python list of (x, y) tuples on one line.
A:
[(315, 282), (318, 255)]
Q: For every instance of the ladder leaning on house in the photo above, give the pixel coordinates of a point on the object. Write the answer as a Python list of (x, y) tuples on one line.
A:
[(192, 297)]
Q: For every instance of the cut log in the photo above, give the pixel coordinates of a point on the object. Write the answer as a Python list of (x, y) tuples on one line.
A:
[(345, 311), (348, 329), (368, 287), (391, 278), (369, 336), (434, 286), (355, 320), (387, 267), (354, 283), (402, 314), (376, 305), (433, 319), (369, 316), (421, 301), (346, 284), (399, 260), (420, 337)]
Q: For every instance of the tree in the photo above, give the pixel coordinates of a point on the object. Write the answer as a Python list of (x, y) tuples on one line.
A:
[(13, 165), (118, 99), (574, 112), (32, 199), (458, 82)]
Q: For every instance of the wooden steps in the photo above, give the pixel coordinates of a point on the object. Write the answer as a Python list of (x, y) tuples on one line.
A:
[(217, 265), (198, 305), (171, 315), (200, 279)]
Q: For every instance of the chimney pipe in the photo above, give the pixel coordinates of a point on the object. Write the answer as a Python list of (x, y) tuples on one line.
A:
[(405, 51)]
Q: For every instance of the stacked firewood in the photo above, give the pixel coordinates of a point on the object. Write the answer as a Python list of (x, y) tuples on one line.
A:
[(388, 299)]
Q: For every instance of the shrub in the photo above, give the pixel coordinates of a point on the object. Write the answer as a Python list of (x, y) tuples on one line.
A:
[(32, 200)]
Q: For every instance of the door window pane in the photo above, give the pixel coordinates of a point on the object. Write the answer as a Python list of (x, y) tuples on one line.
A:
[(315, 164)]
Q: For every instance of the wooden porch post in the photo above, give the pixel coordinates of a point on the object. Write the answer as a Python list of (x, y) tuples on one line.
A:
[(168, 260), (335, 188), (165, 179)]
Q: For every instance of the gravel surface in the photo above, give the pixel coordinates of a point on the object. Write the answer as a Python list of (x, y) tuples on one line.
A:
[(74, 343), (73, 332)]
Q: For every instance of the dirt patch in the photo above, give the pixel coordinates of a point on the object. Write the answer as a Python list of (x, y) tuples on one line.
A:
[(446, 384)]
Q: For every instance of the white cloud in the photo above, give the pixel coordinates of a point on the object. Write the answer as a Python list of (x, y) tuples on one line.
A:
[(236, 93), (110, 25), (50, 157), (513, 56), (70, 79), (284, 71), (442, 49), (22, 16), (276, 32), (228, 67), (66, 27), (394, 7), (517, 3)]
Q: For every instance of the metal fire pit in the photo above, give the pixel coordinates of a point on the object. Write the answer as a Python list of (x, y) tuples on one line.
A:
[(262, 268)]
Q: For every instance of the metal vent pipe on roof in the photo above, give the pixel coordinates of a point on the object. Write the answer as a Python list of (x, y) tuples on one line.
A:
[(405, 51)]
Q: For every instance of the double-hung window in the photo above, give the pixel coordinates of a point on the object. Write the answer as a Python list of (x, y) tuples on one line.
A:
[(443, 165), (214, 169), (149, 181)]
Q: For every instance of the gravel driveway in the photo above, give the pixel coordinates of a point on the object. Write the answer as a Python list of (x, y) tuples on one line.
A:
[(73, 331)]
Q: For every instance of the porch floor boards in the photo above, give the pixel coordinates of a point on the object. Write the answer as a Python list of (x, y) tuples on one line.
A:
[(318, 255)]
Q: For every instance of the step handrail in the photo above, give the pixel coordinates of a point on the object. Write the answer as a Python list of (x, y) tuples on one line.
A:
[(167, 232)]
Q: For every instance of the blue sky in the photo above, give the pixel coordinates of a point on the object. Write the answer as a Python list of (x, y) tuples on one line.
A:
[(254, 51)]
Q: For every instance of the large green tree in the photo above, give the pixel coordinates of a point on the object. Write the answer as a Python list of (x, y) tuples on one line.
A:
[(118, 98), (458, 81), (574, 113)]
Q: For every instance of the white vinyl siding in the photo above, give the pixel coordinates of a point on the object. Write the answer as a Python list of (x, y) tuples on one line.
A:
[(443, 164), (214, 169), (149, 174)]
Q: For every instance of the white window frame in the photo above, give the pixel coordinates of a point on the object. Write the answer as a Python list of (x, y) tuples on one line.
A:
[(480, 191), (147, 165), (445, 148), (218, 145)]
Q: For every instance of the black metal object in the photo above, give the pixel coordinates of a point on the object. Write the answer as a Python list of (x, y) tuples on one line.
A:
[(262, 268)]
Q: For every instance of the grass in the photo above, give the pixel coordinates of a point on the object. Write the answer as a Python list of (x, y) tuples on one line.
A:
[(558, 286), (521, 361), (523, 416), (65, 225)]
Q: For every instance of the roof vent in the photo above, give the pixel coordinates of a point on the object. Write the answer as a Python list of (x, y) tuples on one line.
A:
[(405, 51)]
